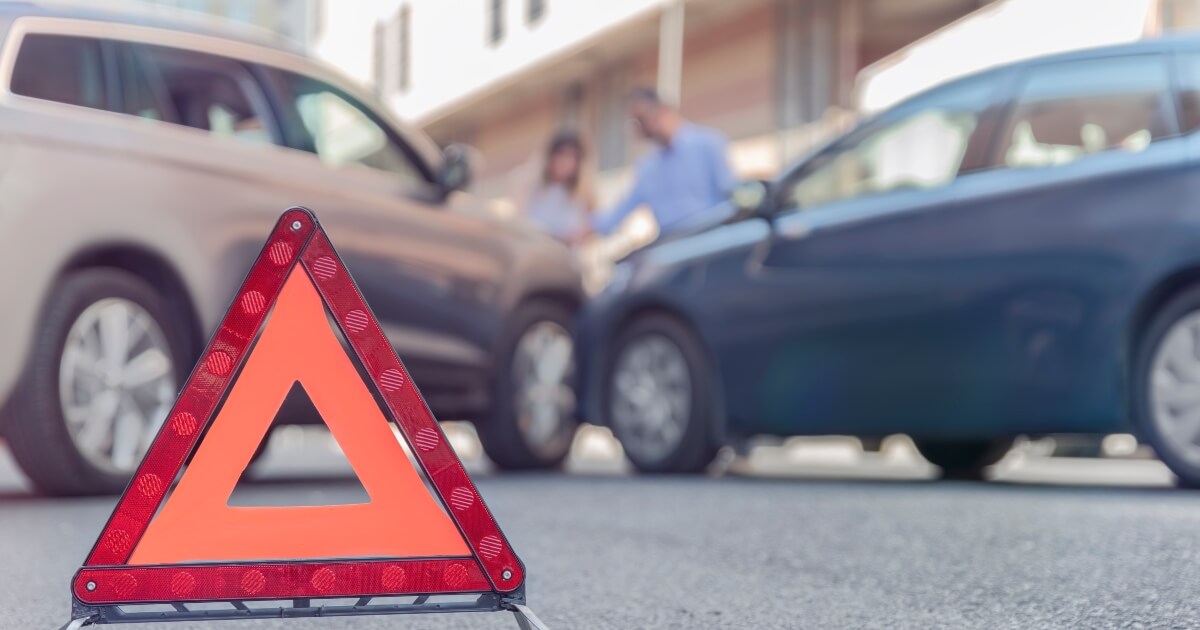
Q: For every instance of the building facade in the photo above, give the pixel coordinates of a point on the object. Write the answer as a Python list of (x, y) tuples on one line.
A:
[(777, 76)]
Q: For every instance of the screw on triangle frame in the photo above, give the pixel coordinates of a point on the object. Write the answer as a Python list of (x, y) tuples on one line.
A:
[(147, 555)]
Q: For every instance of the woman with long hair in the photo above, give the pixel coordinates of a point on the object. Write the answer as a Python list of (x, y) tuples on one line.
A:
[(559, 204)]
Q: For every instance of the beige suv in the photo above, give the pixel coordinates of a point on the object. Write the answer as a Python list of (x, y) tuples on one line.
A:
[(141, 167)]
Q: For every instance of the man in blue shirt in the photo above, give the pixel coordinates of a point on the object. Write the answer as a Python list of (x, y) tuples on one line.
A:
[(686, 174)]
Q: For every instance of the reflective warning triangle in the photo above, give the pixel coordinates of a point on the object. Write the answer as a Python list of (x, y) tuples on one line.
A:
[(411, 538)]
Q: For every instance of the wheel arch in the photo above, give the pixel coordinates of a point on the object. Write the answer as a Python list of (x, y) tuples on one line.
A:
[(153, 268), (1151, 302), (571, 299), (647, 308), (1142, 326), (1140, 318)]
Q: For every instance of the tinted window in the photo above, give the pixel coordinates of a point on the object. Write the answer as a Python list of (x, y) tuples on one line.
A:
[(140, 96), (1189, 91), (1069, 110), (207, 92), (60, 68), (920, 145), (341, 131)]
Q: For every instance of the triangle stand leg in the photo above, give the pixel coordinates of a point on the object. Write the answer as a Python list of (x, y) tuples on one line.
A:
[(77, 623), (526, 620)]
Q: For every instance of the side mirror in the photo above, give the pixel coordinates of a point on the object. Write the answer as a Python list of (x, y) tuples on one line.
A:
[(455, 173), (749, 197)]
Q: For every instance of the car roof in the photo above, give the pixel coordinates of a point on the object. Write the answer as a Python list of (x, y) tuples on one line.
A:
[(1167, 43), (1163, 44), (150, 15)]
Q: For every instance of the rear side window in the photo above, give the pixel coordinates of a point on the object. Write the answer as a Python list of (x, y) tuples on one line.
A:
[(61, 68), (202, 91), (140, 96), (1189, 91), (1068, 111)]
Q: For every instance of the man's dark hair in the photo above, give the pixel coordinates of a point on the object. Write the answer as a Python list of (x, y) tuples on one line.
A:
[(644, 94)]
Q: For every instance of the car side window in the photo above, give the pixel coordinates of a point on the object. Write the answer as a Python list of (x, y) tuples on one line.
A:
[(61, 68), (140, 96), (341, 131), (205, 92), (919, 145), (1069, 110), (1188, 72)]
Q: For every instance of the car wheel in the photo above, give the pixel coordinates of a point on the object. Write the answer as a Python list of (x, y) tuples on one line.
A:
[(1166, 386), (660, 397), (101, 378), (533, 420), (963, 459)]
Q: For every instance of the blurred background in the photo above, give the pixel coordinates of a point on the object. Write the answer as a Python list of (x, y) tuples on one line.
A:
[(779, 78)]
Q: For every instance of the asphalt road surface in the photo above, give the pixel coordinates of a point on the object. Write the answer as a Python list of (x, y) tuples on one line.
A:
[(801, 536)]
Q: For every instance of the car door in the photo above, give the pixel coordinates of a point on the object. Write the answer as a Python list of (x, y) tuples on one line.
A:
[(1081, 197), (432, 276), (141, 176), (848, 319)]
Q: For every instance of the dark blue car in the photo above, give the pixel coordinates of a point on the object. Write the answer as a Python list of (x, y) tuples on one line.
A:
[(1013, 253)]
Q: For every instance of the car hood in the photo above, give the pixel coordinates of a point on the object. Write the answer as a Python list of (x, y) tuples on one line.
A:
[(715, 236), (714, 218)]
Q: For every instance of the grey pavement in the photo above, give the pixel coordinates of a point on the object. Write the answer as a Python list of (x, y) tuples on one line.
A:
[(810, 534)]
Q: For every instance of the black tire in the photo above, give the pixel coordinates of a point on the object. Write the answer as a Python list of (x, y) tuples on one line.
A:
[(696, 448), (35, 426), (963, 459), (1182, 304), (500, 431)]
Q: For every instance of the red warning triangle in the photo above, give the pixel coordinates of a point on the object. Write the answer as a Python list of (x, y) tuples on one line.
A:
[(410, 538)]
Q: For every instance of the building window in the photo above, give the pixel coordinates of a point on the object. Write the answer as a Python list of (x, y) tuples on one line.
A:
[(379, 59), (572, 104), (534, 10), (613, 127), (393, 53), (404, 39), (495, 21)]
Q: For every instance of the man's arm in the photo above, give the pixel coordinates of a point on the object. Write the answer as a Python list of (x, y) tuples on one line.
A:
[(606, 222)]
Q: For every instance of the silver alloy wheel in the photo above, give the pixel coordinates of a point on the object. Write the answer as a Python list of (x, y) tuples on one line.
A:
[(1175, 388), (116, 383), (543, 369), (651, 397)]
